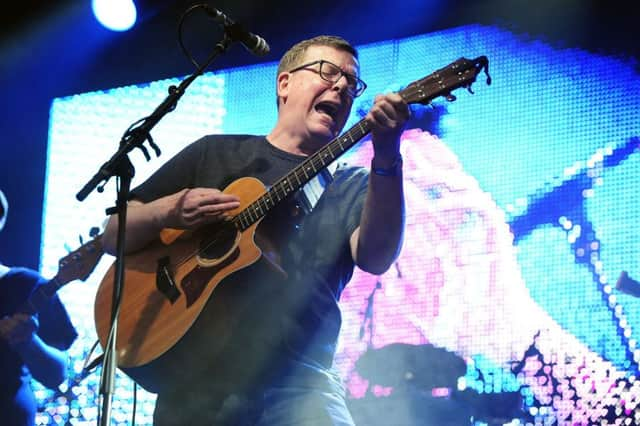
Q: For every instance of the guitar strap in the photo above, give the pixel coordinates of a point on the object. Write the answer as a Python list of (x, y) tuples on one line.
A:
[(308, 196)]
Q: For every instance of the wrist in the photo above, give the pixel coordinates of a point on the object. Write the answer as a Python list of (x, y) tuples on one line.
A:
[(387, 166), (166, 211)]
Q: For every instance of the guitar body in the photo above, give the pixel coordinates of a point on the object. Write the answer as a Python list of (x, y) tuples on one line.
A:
[(153, 319)]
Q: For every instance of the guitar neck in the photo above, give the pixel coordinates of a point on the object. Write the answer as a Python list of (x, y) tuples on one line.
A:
[(460, 73), (300, 175), (41, 296), (76, 265)]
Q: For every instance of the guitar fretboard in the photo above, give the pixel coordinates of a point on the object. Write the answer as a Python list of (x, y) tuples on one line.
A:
[(300, 175), (461, 73)]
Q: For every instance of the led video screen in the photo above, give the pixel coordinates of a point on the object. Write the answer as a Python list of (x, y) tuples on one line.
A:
[(521, 215)]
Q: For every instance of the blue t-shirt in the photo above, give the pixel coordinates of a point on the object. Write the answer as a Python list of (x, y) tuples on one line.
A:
[(258, 326), (17, 402)]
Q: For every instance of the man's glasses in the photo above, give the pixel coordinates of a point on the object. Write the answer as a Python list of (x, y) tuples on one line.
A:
[(332, 73)]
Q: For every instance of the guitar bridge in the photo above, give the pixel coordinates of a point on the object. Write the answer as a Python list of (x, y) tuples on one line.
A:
[(165, 282)]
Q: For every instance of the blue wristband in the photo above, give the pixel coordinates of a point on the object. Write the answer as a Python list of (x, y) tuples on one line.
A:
[(393, 170)]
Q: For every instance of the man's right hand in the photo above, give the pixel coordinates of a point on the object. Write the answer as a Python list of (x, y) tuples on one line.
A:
[(186, 209), (199, 206)]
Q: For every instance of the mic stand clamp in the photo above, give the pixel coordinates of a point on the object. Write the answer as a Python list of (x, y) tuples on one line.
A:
[(136, 136)]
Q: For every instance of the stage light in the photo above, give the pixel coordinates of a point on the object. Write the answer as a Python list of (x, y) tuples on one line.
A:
[(116, 15)]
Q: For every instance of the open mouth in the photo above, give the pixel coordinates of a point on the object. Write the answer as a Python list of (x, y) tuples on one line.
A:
[(327, 108)]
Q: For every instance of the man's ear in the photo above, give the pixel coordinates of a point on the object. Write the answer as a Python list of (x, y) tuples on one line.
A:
[(282, 86)]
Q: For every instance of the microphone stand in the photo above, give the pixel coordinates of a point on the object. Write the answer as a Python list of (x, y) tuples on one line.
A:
[(120, 166), (125, 172)]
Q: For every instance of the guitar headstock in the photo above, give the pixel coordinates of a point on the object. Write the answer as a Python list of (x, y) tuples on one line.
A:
[(81, 262), (461, 73)]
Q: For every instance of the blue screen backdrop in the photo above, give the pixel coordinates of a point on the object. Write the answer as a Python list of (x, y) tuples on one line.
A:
[(551, 144)]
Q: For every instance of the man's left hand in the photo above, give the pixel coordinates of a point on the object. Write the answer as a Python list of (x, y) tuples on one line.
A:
[(387, 118)]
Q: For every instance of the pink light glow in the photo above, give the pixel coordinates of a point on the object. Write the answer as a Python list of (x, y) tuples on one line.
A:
[(457, 285)]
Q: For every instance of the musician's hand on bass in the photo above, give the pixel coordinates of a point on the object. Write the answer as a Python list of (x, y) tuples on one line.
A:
[(18, 329)]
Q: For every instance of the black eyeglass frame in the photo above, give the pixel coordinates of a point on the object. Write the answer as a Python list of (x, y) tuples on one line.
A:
[(359, 87)]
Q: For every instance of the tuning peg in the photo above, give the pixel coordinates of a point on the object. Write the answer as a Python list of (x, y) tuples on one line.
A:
[(470, 90), (449, 97)]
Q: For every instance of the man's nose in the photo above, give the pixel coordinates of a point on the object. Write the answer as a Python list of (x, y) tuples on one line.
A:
[(341, 84)]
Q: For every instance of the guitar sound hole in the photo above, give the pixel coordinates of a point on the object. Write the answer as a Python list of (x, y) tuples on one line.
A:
[(218, 240)]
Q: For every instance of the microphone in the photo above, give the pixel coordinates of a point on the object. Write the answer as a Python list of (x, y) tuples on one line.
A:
[(252, 42)]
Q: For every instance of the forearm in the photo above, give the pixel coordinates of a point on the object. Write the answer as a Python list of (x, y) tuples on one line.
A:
[(47, 364), (189, 208), (382, 223), (144, 223), (379, 236)]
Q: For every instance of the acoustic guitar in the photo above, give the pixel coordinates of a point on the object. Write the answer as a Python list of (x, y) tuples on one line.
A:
[(167, 284)]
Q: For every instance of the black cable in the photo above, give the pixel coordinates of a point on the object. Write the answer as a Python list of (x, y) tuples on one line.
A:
[(180, 39), (135, 403)]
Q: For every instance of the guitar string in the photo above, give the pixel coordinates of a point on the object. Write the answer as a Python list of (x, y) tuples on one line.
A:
[(247, 214), (408, 93)]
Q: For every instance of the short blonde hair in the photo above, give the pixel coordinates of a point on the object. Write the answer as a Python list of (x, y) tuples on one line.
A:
[(294, 55)]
